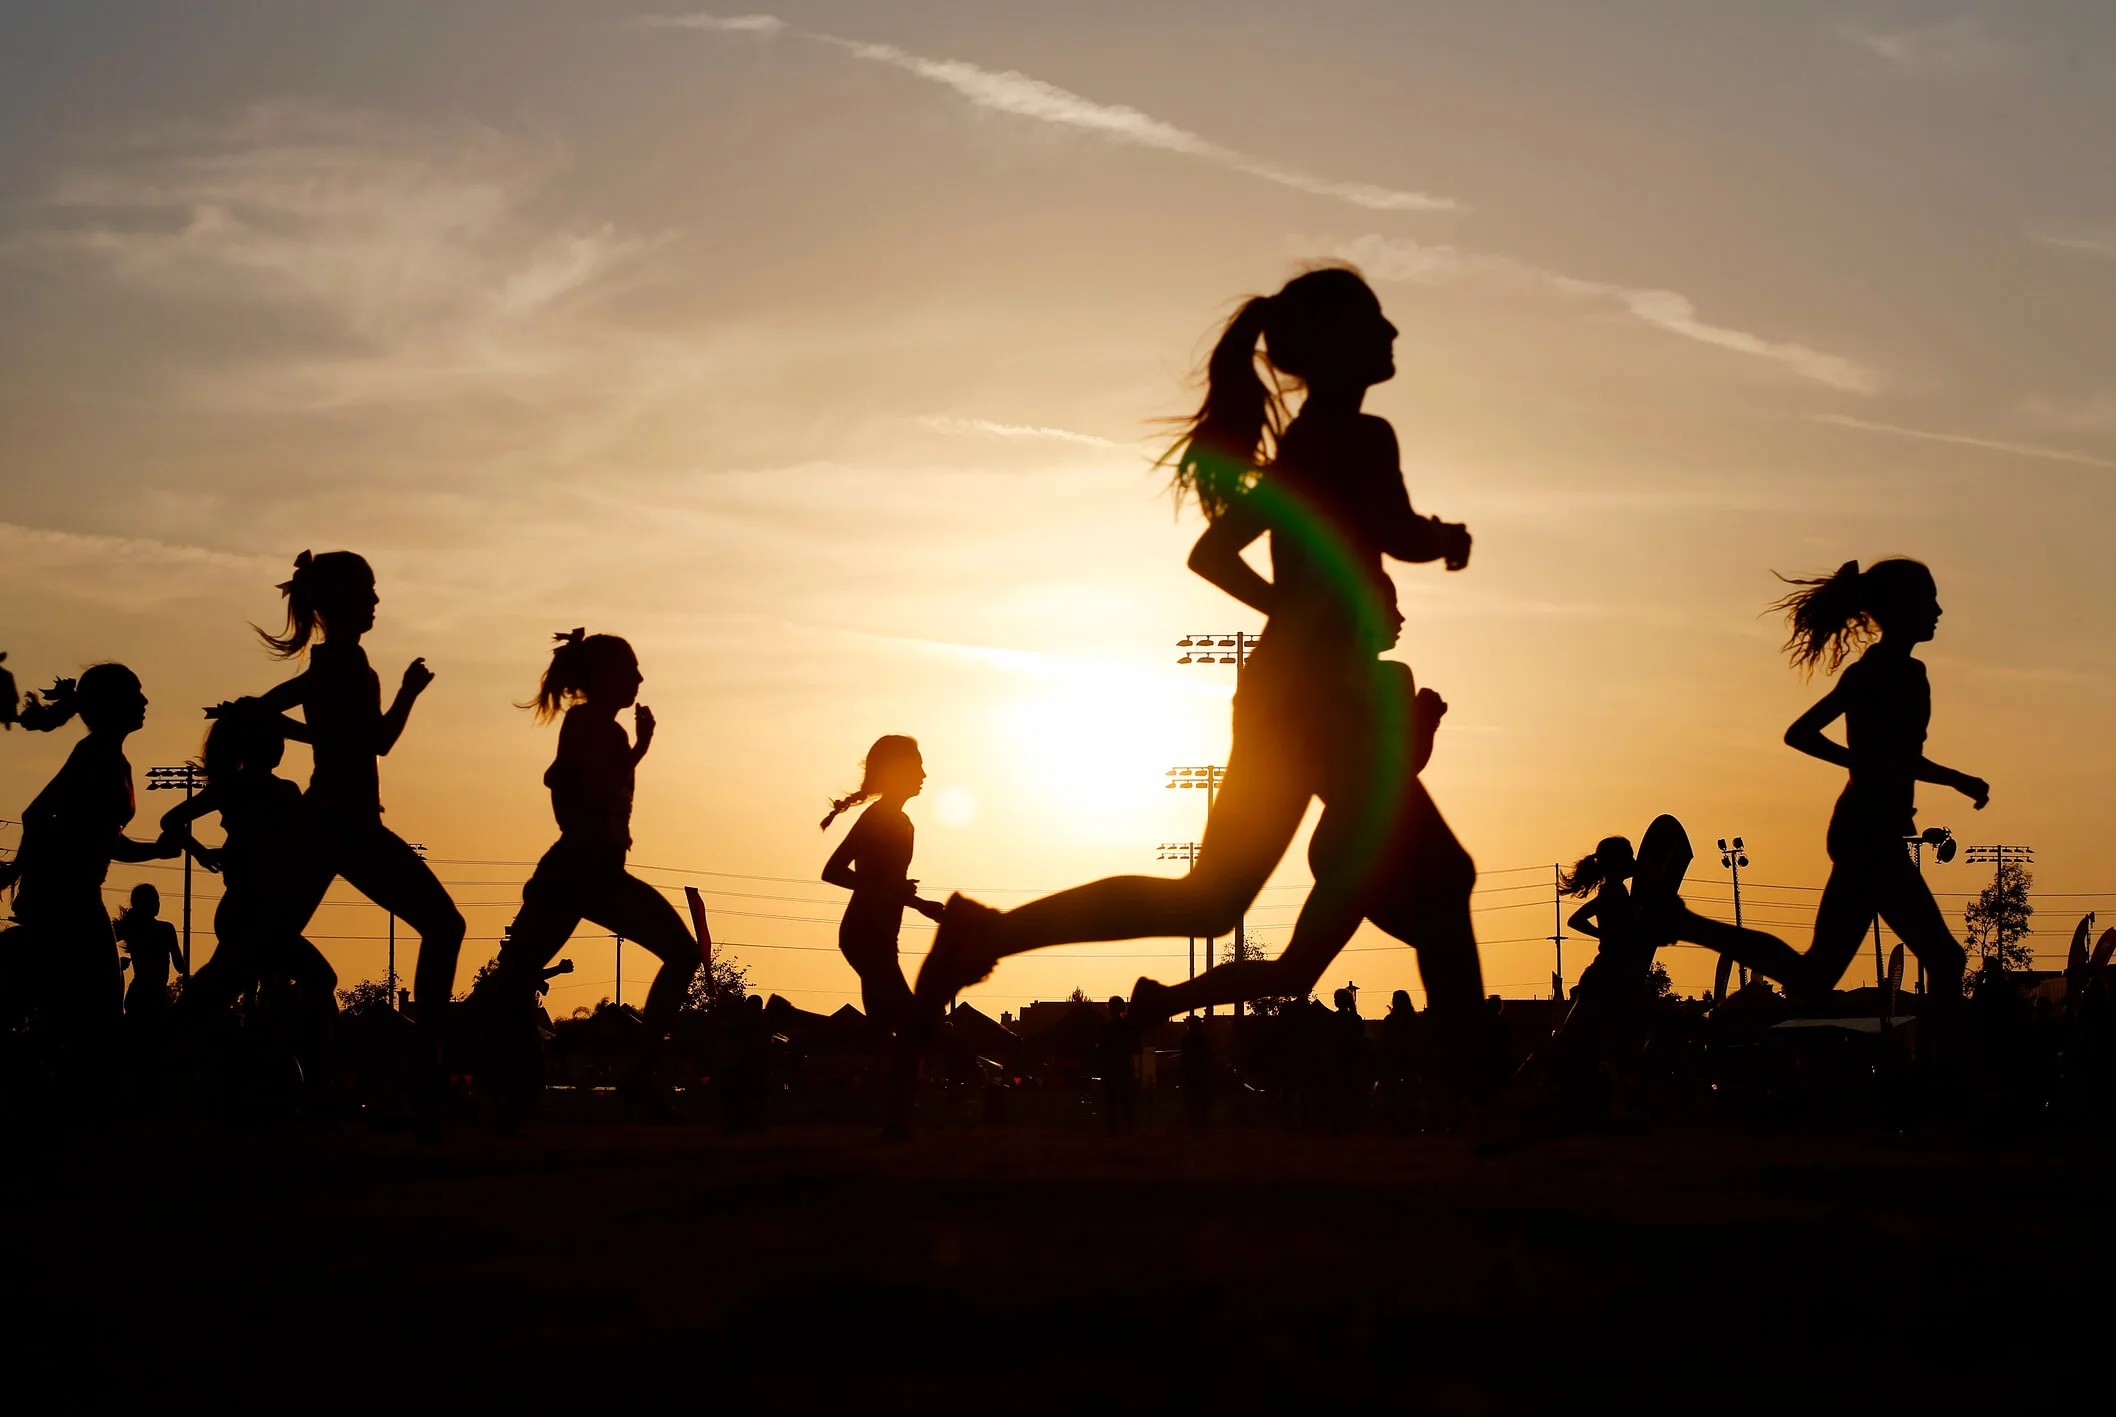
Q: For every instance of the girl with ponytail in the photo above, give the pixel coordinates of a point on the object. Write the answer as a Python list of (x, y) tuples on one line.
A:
[(331, 604), (874, 863), (583, 876), (70, 834), (1885, 700), (1314, 714), (265, 862)]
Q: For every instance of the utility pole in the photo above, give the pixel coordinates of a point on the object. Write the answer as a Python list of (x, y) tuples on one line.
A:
[(190, 777), (1943, 847), (419, 850), (1233, 649), (620, 969), (1557, 940), (1998, 858), (1733, 859), (1187, 853), (1207, 776)]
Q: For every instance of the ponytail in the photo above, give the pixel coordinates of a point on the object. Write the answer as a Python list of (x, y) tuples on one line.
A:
[(889, 749), (1217, 455), (1824, 618), (55, 710), (313, 581), (574, 661), (1597, 868)]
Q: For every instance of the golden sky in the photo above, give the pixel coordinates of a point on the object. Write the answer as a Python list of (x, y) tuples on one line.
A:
[(818, 353)]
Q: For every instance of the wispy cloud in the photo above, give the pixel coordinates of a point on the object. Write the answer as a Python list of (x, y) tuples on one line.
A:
[(1964, 440), (2096, 414), (1963, 44), (409, 250), (1401, 258), (2094, 244), (1011, 92), (985, 427), (731, 24)]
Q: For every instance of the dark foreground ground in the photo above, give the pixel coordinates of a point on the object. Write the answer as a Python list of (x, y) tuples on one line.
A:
[(1044, 1268)]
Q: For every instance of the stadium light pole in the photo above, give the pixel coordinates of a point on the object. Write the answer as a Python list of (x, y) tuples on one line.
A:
[(1230, 648), (1187, 853), (1207, 776), (1233, 649), (419, 850), (190, 777), (1999, 857), (1734, 856)]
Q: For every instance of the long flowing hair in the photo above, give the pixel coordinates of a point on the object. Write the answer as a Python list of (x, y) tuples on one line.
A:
[(1597, 868), (888, 751), (316, 580), (1266, 346), (56, 706), (1828, 618), (575, 658)]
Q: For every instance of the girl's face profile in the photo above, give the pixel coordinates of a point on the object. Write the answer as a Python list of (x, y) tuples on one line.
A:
[(1357, 344), (349, 606), (907, 776), (1914, 613), (616, 681), (118, 707)]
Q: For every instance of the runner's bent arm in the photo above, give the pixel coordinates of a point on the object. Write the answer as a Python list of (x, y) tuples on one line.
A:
[(1218, 556), (1806, 733)]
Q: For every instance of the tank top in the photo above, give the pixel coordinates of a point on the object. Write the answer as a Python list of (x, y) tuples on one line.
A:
[(342, 702), (592, 780), (1888, 710), (1332, 498), (77, 819)]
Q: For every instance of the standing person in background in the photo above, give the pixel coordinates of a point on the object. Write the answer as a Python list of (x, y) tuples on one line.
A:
[(154, 950)]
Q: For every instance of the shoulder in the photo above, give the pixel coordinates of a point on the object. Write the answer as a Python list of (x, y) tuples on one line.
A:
[(1373, 432), (581, 729), (889, 823)]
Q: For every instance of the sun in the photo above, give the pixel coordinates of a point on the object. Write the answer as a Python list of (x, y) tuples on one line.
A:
[(1090, 748)]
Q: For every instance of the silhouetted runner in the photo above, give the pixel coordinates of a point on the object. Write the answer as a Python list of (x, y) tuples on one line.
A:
[(331, 603), (1885, 701), (583, 875), (266, 863), (71, 833), (874, 863), (1315, 714)]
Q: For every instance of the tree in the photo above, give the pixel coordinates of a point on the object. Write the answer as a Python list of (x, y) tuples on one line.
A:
[(722, 981), (1663, 987), (1998, 920), (368, 996)]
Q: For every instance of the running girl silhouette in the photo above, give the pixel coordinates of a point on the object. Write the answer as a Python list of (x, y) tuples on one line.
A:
[(1885, 700), (1313, 716), (583, 876), (264, 863), (874, 863), (1623, 957), (70, 834), (331, 604)]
